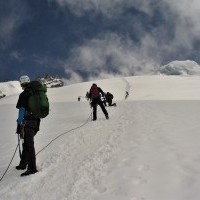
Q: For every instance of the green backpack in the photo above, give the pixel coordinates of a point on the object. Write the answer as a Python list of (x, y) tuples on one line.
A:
[(38, 101)]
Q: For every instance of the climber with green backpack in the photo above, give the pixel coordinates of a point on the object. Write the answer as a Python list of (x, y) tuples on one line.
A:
[(33, 105)]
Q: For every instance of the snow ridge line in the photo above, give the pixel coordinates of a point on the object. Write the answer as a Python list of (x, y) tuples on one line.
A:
[(127, 85)]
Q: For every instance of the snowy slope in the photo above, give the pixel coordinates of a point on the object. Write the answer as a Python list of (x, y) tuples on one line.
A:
[(148, 150)]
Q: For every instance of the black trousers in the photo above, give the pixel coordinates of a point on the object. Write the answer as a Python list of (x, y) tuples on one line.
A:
[(95, 102), (28, 152)]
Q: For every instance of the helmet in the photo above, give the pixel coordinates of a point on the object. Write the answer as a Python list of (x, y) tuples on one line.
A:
[(24, 80)]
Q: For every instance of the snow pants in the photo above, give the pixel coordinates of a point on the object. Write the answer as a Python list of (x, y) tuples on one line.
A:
[(28, 152), (95, 102)]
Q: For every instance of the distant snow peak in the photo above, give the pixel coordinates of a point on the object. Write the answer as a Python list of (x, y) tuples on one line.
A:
[(187, 67), (13, 87), (51, 81)]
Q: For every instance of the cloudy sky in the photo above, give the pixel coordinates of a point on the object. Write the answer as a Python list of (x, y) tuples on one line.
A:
[(80, 40)]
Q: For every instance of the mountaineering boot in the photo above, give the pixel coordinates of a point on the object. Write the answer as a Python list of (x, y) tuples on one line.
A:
[(29, 172), (20, 167)]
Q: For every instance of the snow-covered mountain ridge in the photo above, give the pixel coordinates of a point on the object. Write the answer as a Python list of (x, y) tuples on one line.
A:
[(13, 87), (154, 87), (181, 68), (51, 81), (187, 67)]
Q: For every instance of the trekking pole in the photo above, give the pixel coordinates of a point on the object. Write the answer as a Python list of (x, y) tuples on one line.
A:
[(20, 153)]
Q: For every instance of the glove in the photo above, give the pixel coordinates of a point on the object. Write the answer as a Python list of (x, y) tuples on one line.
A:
[(18, 131)]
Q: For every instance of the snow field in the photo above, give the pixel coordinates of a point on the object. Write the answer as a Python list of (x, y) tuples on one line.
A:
[(147, 150)]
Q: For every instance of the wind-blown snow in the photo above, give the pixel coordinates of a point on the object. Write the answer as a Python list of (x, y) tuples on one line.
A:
[(147, 150)]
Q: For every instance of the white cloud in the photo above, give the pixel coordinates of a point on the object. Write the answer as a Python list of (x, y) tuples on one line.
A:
[(187, 20), (183, 13), (17, 55), (74, 77), (110, 54), (80, 7), (108, 8)]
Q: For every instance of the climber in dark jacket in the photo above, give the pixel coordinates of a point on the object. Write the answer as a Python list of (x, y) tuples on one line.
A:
[(95, 98), (27, 127)]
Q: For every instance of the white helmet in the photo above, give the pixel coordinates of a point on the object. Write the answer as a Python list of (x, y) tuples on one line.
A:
[(24, 79)]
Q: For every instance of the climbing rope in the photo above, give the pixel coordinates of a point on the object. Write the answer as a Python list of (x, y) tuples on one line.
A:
[(65, 133), (9, 163), (18, 145)]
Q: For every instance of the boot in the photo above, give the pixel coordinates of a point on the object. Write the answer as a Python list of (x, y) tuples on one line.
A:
[(20, 167), (29, 172)]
